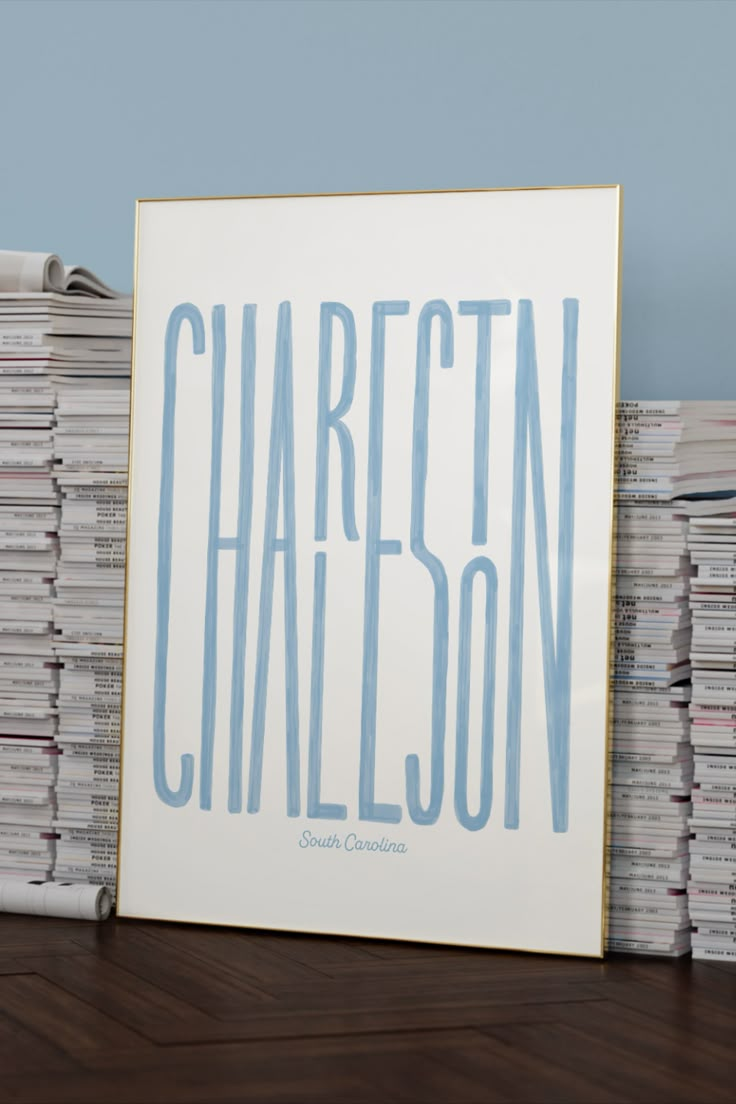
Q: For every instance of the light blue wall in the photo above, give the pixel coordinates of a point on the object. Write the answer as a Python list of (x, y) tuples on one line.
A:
[(101, 102)]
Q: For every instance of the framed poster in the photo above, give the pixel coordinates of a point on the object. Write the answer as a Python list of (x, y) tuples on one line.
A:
[(369, 565)]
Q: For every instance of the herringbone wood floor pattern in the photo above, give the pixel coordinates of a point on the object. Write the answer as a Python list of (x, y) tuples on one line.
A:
[(140, 1012)]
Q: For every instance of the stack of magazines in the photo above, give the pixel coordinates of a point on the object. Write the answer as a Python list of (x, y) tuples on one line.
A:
[(29, 522), (27, 780), (652, 770), (64, 368), (89, 646), (92, 462), (712, 887)]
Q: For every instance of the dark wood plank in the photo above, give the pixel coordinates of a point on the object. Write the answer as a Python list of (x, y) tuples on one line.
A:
[(19, 951), (59, 1018), (10, 965), (517, 1075), (24, 1052), (137, 1011), (318, 951), (284, 1023), (42, 931), (388, 1067), (213, 989), (632, 1071), (239, 952), (496, 969), (199, 1075), (693, 1053), (442, 990), (117, 993)]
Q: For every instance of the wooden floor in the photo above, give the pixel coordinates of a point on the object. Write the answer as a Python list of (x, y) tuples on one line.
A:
[(137, 1012)]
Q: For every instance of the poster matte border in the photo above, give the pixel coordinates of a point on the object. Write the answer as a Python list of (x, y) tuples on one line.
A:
[(618, 189)]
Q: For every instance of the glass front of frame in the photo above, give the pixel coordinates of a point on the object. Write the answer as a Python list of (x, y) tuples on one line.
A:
[(369, 565)]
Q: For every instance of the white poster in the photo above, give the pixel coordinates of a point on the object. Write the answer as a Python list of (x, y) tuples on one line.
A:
[(367, 615)]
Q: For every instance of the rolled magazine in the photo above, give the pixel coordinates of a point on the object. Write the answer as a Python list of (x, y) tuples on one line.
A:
[(63, 899)]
